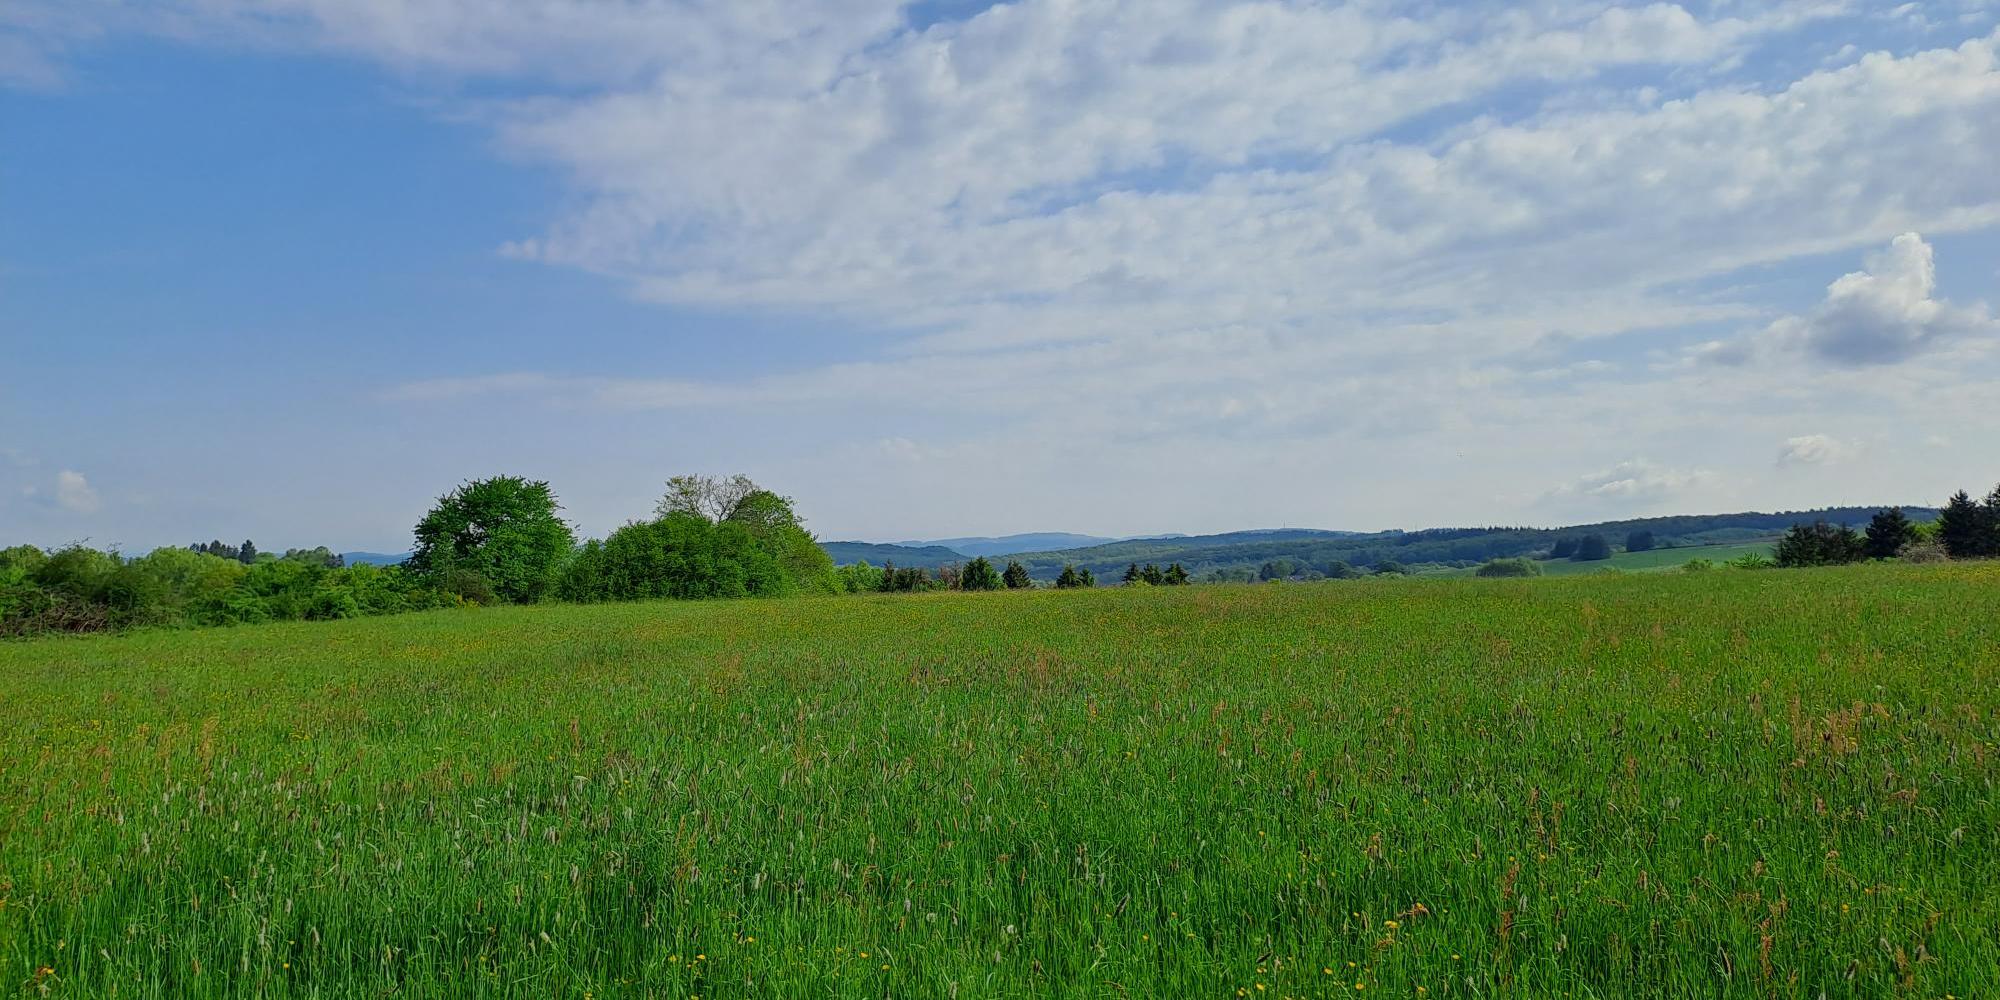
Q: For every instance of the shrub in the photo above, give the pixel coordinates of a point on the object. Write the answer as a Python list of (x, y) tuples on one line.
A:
[(1509, 568), (1929, 551), (860, 578), (1697, 565)]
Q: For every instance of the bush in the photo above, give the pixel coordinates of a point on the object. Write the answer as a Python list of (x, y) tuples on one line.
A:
[(1509, 568), (683, 556), (1924, 552), (860, 578), (909, 580), (1697, 565)]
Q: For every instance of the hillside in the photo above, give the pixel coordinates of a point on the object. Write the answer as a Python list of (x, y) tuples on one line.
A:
[(1005, 545), (1241, 553), (878, 554)]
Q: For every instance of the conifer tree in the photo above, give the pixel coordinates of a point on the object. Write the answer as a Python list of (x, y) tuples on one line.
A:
[(1016, 576), (1888, 531)]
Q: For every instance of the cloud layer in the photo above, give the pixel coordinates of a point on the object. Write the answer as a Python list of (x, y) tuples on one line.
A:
[(1474, 243)]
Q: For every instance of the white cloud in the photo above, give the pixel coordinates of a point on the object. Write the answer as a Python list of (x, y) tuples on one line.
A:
[(1885, 314), (1813, 449), (1212, 236), (1636, 480), (75, 494)]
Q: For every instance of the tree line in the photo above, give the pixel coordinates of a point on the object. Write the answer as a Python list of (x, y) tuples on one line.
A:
[(1964, 529), (491, 541)]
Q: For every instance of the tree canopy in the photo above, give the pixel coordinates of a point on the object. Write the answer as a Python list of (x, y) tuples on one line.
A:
[(503, 531)]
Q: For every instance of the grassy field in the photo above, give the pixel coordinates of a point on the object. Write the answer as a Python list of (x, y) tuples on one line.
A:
[(1741, 784), (1639, 562)]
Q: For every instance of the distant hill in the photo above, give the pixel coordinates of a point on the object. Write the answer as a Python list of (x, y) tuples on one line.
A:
[(1006, 545), (1242, 553), (876, 554), (373, 558)]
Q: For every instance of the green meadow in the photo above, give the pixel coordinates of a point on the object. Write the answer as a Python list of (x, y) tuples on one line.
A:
[(1775, 784), (1656, 559)]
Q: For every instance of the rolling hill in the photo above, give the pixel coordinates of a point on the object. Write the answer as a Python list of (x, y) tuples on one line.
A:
[(1241, 553)]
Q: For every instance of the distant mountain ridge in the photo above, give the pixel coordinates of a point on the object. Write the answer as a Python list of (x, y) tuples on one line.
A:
[(1004, 545), (877, 554), (1309, 551)]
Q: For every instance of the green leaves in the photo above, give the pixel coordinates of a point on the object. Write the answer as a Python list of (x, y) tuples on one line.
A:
[(502, 530)]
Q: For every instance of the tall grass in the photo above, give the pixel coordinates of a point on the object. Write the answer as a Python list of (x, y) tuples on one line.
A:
[(1743, 785)]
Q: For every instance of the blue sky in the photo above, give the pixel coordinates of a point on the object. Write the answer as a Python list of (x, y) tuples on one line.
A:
[(287, 270)]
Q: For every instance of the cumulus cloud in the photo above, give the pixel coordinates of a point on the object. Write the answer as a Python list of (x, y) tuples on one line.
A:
[(75, 494), (1885, 314), (1813, 449), (1882, 315)]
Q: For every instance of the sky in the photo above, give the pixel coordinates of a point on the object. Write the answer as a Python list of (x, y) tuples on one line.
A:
[(290, 269)]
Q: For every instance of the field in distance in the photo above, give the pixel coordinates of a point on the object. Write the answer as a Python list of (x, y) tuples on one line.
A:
[(1641, 562), (1741, 784)]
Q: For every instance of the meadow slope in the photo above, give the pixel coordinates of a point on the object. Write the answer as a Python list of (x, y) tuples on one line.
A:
[(1744, 784)]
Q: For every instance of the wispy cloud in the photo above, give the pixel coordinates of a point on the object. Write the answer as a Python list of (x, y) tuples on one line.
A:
[(74, 493), (1214, 235), (1813, 449)]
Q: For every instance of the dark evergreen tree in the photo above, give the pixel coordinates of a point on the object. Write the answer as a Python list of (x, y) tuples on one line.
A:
[(1177, 575), (1152, 575), (1888, 531), (1968, 530), (979, 574), (1088, 578), (1821, 544), (1016, 576), (1132, 574), (1069, 580), (1592, 548), (247, 555)]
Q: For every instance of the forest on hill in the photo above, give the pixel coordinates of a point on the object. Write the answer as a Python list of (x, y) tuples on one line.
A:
[(1245, 555)]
